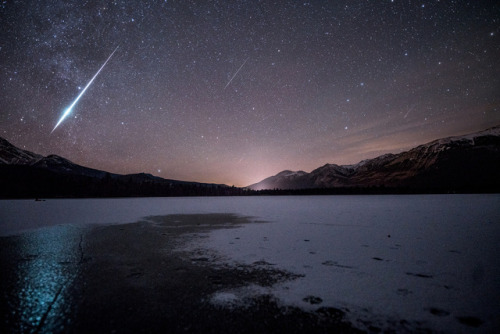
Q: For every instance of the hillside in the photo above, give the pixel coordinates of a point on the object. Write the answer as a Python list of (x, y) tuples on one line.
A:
[(462, 163), (25, 174)]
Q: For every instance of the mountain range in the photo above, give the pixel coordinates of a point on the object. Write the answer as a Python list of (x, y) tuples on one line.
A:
[(462, 163), (469, 163), (27, 174)]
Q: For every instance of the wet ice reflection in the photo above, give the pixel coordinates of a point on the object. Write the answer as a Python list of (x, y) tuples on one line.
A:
[(42, 279)]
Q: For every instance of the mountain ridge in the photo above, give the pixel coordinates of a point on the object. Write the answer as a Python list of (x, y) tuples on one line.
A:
[(468, 163), (12, 155), (452, 162), (27, 174)]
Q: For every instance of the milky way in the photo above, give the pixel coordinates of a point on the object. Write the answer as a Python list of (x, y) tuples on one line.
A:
[(321, 82)]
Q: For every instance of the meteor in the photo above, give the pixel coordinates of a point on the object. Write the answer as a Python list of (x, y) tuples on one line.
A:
[(70, 108), (236, 73)]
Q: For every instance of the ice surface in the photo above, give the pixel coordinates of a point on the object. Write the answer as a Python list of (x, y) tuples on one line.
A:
[(427, 259), (22, 215), (238, 297)]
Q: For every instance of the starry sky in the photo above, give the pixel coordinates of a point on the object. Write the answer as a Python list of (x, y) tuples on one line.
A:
[(235, 91)]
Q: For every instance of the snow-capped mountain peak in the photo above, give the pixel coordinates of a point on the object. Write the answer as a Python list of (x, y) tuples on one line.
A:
[(452, 162), (11, 155)]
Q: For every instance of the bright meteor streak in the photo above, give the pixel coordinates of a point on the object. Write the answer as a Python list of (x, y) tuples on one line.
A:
[(70, 108)]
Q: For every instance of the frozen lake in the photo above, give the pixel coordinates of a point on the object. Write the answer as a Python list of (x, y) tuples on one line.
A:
[(429, 259)]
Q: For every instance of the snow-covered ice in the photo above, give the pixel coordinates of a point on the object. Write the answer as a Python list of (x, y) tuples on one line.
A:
[(426, 259), (431, 260)]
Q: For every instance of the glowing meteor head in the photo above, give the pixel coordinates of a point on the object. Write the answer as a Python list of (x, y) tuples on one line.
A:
[(64, 115)]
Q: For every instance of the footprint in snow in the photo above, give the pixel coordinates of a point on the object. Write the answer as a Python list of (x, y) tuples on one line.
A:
[(470, 321), (438, 312), (263, 263), (419, 275), (403, 292), (335, 264), (313, 300), (135, 274)]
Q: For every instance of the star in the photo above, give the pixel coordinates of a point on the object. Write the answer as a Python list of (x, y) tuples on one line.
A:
[(265, 80)]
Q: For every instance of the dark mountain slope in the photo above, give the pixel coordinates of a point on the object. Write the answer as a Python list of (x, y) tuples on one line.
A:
[(470, 162), (24, 174)]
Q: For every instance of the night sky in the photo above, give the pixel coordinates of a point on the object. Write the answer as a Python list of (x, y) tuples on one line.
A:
[(236, 91)]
